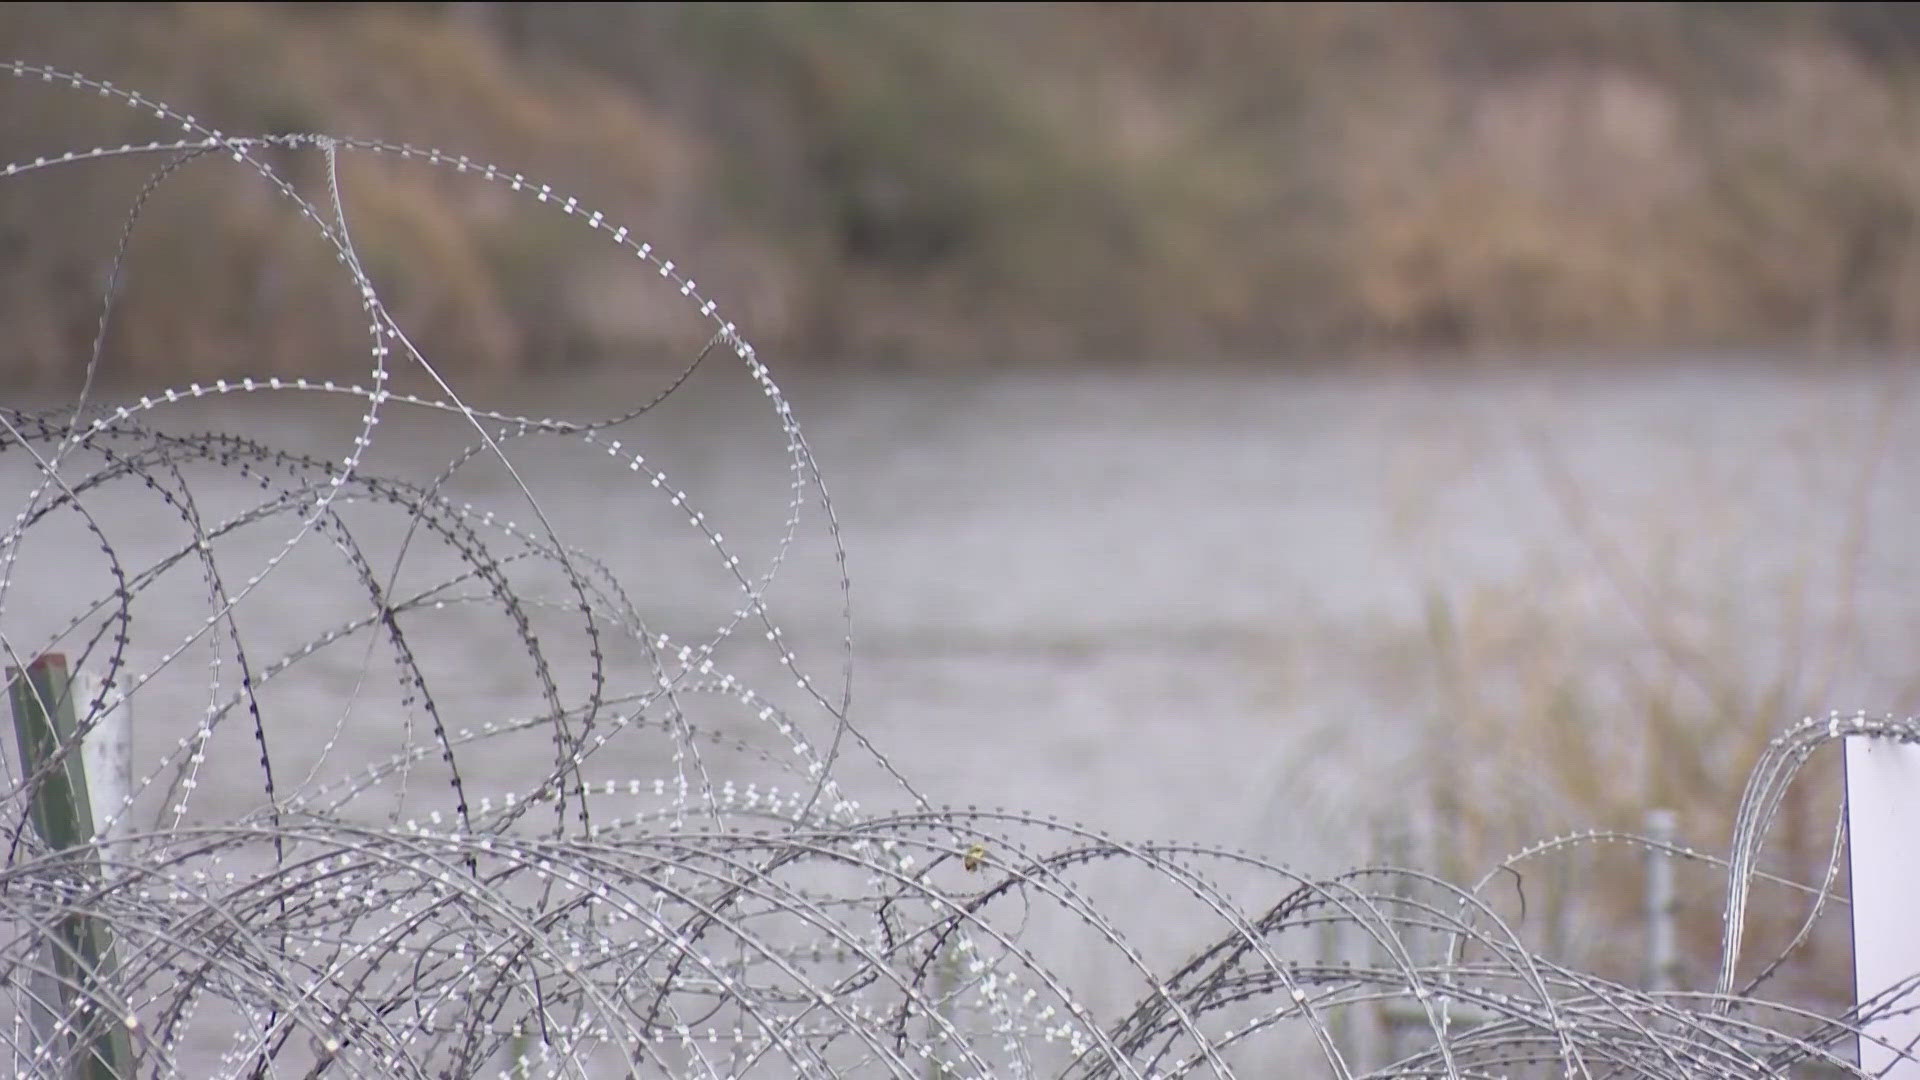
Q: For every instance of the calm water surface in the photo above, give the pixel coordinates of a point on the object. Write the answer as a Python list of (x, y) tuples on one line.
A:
[(1159, 603)]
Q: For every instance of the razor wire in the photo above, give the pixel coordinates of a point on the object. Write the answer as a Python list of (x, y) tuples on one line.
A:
[(501, 893)]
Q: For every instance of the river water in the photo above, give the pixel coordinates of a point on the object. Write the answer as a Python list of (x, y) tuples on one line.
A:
[(1130, 597), (1200, 603)]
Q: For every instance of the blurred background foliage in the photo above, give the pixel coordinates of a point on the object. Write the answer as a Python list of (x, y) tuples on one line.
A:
[(954, 184)]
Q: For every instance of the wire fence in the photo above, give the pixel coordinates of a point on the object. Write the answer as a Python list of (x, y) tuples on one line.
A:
[(643, 860)]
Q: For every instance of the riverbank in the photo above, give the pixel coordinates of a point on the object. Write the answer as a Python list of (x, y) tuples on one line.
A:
[(946, 186)]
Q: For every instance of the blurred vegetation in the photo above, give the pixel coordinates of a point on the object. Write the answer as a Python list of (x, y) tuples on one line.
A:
[(950, 183)]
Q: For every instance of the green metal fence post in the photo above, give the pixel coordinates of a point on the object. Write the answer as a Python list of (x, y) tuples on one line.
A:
[(83, 956)]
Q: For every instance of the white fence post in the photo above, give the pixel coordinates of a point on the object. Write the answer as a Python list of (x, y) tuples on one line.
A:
[(1663, 954), (108, 753), (1883, 815)]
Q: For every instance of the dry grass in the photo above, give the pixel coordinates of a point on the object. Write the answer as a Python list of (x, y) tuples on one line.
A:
[(1646, 665), (1116, 181), (1171, 181)]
